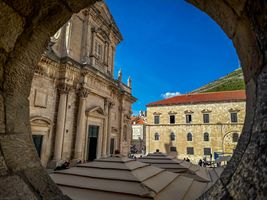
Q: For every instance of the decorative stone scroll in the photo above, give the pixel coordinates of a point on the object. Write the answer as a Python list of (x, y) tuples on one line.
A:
[(83, 92), (188, 112), (64, 88), (156, 113), (206, 111), (108, 103), (233, 110)]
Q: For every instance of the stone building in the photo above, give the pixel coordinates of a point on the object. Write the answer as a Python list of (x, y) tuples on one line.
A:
[(78, 110), (196, 125), (139, 133)]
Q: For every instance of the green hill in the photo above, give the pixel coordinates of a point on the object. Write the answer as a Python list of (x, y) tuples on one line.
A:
[(232, 81)]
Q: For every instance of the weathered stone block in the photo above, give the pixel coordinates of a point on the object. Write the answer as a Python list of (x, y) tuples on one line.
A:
[(11, 26)]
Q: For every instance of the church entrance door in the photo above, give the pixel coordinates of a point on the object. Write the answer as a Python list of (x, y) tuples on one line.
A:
[(38, 141), (112, 145), (92, 142)]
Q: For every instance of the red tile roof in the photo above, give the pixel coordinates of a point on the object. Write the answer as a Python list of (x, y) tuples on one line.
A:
[(137, 120), (193, 98)]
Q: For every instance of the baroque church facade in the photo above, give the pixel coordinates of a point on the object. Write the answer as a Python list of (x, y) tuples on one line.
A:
[(78, 110)]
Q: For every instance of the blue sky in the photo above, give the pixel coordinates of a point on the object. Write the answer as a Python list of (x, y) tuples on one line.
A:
[(169, 46)]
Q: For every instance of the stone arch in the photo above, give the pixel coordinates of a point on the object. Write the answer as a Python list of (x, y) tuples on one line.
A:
[(26, 32), (228, 144)]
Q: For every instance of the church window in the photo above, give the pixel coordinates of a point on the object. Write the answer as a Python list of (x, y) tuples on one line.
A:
[(156, 119), (98, 50), (173, 149), (172, 119), (207, 151), (172, 136), (206, 137), (156, 136), (234, 117), (188, 118), (190, 150), (189, 137), (206, 118)]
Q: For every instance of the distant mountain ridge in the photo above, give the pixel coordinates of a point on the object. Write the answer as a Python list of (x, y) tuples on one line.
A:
[(232, 81)]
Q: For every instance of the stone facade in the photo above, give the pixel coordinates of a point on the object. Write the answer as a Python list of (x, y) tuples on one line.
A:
[(77, 109), (217, 134), (139, 133)]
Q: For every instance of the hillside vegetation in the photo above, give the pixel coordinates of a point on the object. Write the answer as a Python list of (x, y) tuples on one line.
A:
[(232, 81)]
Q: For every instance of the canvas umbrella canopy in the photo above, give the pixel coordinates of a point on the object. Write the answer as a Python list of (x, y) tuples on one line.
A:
[(122, 178), (183, 167)]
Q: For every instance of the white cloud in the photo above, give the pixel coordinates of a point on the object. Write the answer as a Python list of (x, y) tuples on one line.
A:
[(170, 94)]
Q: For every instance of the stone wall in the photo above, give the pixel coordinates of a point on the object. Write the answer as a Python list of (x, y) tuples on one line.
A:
[(24, 36), (219, 128)]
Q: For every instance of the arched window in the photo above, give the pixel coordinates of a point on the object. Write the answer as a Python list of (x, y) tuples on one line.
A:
[(189, 137), (206, 137), (156, 136), (235, 137), (172, 136)]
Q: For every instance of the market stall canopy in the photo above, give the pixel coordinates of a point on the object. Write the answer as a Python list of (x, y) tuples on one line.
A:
[(122, 178), (170, 163)]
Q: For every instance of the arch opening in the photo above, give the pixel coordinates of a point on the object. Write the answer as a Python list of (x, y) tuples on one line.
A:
[(21, 50)]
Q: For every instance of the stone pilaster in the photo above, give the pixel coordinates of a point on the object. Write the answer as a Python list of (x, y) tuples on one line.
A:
[(61, 116), (92, 54), (106, 54), (81, 129), (107, 131), (84, 58)]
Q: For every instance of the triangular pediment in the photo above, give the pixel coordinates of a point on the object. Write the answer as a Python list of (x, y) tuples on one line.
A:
[(104, 12), (95, 110)]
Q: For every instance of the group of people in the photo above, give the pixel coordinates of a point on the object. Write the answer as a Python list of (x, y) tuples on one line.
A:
[(203, 163)]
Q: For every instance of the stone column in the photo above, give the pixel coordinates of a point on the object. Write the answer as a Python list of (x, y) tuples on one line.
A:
[(110, 105), (106, 54), (84, 58), (81, 127), (61, 115), (106, 136), (92, 55), (121, 111)]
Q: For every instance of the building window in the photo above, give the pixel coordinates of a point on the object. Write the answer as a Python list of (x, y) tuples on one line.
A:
[(173, 149), (156, 136), (206, 118), (98, 50), (189, 137), (207, 151), (234, 117), (172, 136), (156, 119), (235, 137), (190, 150), (206, 137), (172, 119), (188, 118)]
